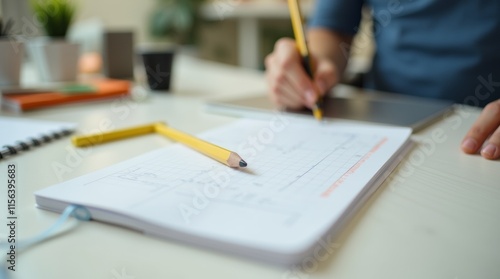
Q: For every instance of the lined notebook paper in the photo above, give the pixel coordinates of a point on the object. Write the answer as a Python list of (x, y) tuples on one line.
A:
[(302, 181), (21, 134)]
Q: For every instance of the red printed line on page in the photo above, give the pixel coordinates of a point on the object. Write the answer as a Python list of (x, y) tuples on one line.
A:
[(353, 169)]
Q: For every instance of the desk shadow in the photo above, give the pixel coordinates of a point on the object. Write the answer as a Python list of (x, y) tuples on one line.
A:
[(247, 171)]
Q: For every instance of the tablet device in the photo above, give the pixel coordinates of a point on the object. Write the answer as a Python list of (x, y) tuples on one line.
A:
[(350, 103)]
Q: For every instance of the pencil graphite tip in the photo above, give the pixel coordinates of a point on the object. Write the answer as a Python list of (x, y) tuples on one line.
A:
[(243, 163)]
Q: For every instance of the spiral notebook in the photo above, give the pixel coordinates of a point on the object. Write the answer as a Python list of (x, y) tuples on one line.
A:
[(21, 134)]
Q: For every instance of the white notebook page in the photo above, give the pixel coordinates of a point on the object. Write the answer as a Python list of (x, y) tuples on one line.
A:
[(22, 129), (301, 177)]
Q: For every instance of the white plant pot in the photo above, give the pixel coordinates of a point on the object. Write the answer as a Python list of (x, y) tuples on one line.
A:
[(56, 60), (11, 56)]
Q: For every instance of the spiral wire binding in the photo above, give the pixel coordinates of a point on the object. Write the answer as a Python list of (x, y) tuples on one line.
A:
[(20, 146)]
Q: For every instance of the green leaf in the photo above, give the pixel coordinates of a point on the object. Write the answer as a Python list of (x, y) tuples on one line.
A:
[(55, 15)]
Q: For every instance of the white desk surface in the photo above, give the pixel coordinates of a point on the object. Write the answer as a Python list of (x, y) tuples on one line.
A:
[(437, 216)]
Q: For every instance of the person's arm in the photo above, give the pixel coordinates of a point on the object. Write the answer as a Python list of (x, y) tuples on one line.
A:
[(331, 45), (289, 85), (485, 129)]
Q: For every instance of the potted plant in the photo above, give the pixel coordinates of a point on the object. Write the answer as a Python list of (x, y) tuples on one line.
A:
[(172, 23), (175, 20), (11, 53), (55, 57)]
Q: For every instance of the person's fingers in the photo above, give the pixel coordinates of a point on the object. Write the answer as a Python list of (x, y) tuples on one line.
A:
[(281, 91), (302, 83), (287, 97), (326, 76), (286, 76), (291, 98), (284, 67), (274, 89), (492, 149), (289, 62), (485, 125)]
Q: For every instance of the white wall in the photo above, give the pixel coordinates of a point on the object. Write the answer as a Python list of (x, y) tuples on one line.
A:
[(119, 14)]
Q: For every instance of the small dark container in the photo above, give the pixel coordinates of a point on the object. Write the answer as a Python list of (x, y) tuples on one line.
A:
[(158, 67)]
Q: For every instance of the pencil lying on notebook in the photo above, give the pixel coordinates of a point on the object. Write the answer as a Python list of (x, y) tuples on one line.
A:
[(213, 151), (298, 30)]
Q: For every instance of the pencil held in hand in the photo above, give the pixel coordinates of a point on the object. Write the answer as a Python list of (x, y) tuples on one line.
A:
[(298, 30)]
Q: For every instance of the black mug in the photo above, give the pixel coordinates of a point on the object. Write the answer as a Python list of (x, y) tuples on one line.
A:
[(158, 66)]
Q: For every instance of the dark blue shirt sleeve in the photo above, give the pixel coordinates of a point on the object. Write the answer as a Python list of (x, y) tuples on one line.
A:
[(342, 16)]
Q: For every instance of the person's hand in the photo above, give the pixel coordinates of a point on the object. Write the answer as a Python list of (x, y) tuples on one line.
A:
[(487, 125), (289, 84)]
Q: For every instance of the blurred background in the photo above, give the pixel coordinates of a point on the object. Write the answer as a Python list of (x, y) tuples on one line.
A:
[(235, 32)]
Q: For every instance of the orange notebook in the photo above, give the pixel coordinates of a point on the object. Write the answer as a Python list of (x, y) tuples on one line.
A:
[(104, 89)]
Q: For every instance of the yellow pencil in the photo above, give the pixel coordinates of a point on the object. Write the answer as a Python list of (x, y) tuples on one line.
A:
[(213, 151), (298, 30), (94, 139)]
